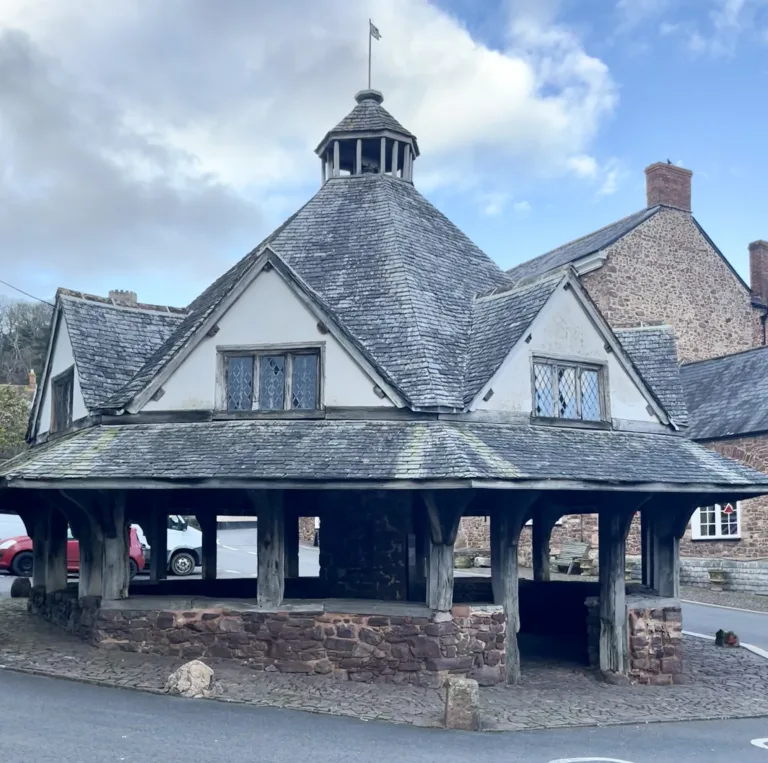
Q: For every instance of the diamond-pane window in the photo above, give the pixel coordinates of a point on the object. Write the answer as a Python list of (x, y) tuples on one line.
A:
[(716, 522), (272, 382), (304, 382), (544, 391), (590, 395), (268, 381), (240, 383), (567, 391)]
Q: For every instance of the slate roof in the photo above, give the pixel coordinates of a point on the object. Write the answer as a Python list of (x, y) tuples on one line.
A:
[(326, 450), (654, 352), (581, 247), (368, 116), (498, 322), (727, 396), (111, 342), (396, 274)]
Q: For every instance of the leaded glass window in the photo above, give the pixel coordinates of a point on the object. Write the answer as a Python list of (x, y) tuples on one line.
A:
[(567, 391), (269, 381), (62, 390)]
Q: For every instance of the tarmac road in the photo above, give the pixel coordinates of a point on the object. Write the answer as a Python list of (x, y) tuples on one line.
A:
[(48, 720)]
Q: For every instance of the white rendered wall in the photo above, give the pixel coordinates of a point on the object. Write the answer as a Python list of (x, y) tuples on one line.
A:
[(267, 313), (563, 330), (62, 359)]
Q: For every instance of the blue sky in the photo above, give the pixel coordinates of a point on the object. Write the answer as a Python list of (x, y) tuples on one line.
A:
[(154, 145)]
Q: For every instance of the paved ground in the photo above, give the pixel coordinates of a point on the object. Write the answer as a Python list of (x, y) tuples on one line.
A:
[(752, 628), (88, 724), (722, 683)]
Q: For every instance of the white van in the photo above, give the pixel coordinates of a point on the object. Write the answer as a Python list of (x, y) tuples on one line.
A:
[(185, 547)]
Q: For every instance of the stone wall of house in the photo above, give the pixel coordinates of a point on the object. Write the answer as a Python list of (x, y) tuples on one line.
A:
[(363, 544), (665, 271), (306, 529), (655, 628)]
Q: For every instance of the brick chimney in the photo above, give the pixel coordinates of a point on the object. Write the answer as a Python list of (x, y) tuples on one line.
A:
[(758, 270), (668, 185), (121, 295)]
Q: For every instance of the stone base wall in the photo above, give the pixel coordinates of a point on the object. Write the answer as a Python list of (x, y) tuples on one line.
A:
[(740, 575), (423, 651), (655, 633)]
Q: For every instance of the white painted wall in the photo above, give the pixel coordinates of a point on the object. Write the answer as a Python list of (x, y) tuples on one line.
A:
[(61, 360), (268, 312), (563, 329)]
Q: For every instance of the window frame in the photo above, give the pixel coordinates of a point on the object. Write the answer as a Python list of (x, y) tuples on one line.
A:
[(579, 364), (695, 523), (64, 380), (256, 352)]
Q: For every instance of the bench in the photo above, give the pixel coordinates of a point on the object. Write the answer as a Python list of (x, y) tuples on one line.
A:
[(571, 555)]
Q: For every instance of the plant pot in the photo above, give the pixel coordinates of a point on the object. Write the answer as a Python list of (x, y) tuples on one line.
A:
[(717, 580)]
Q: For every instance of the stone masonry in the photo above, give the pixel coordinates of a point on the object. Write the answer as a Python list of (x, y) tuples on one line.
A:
[(423, 651), (655, 639)]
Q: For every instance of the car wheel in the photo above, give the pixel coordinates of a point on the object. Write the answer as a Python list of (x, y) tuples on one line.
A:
[(133, 567), (22, 564), (182, 563)]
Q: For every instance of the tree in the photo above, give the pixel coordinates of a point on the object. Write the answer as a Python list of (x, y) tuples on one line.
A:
[(14, 413), (24, 331)]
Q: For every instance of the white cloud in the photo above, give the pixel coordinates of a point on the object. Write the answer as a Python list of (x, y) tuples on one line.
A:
[(611, 176), (634, 12), (727, 22), (522, 208), (158, 134)]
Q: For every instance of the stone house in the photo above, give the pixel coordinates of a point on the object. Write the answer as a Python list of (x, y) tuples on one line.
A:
[(370, 365), (660, 280)]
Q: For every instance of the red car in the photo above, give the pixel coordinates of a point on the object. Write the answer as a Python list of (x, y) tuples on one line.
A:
[(16, 555)]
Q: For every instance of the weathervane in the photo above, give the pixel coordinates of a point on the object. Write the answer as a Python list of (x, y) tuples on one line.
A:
[(373, 31)]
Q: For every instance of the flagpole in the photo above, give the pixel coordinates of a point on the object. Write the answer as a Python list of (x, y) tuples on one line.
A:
[(370, 39)]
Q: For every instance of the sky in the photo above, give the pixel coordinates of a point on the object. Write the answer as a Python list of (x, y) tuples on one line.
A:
[(148, 145)]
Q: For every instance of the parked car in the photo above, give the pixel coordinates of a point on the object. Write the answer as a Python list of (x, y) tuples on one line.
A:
[(185, 547), (16, 554)]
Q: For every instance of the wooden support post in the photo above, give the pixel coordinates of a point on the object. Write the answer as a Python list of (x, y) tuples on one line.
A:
[(508, 517), (613, 528), (40, 547), (291, 539), (444, 510), (207, 522), (116, 571), (647, 548), (91, 558), (667, 563), (543, 524), (56, 558), (158, 544), (271, 546)]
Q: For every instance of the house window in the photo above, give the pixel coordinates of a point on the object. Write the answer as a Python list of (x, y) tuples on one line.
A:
[(272, 381), (720, 521), (62, 390), (563, 390)]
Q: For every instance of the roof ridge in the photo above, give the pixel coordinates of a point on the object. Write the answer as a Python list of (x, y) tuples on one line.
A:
[(117, 303), (724, 357)]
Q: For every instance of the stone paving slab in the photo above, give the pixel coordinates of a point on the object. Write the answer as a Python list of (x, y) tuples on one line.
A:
[(721, 683)]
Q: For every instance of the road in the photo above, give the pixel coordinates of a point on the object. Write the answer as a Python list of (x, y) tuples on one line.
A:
[(751, 627), (43, 719)]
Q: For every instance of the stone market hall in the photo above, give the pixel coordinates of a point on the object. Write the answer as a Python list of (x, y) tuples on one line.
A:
[(367, 364)]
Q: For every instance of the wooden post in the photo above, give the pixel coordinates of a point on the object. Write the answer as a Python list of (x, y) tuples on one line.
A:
[(91, 558), (56, 558), (291, 541), (336, 163), (383, 157), (359, 157), (647, 548), (508, 517), (613, 528), (271, 546), (444, 510), (40, 547), (667, 562), (543, 524), (207, 522), (116, 571), (158, 544)]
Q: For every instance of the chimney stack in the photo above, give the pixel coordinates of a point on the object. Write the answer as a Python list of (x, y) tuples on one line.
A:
[(121, 295), (758, 270), (668, 185)]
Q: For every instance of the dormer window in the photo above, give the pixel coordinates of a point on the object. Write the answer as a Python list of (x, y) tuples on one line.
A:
[(272, 381), (62, 394), (568, 390)]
